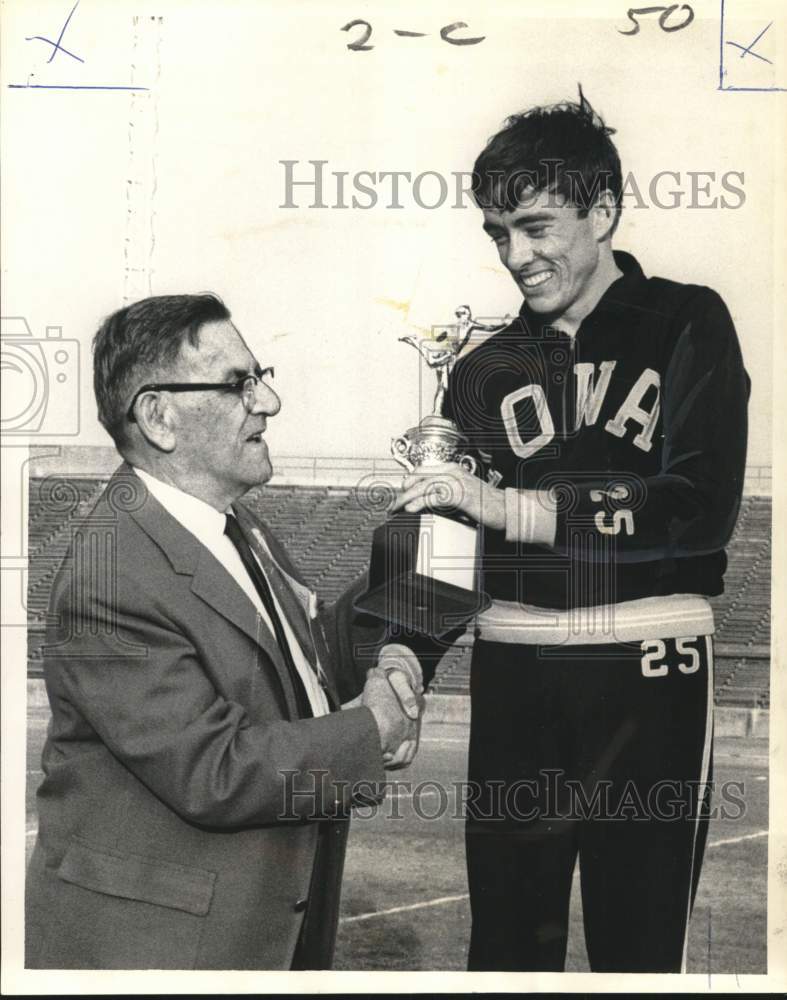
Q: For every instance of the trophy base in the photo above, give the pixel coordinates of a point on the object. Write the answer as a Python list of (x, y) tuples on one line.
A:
[(415, 586)]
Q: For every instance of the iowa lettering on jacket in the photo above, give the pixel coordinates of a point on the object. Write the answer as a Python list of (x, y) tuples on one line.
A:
[(590, 394)]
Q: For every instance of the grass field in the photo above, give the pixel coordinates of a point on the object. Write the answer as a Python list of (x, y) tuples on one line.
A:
[(404, 904)]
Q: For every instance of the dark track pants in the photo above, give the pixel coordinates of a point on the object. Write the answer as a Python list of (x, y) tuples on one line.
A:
[(601, 752)]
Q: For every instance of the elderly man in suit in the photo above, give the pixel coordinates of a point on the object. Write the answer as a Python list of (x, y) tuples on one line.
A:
[(198, 770)]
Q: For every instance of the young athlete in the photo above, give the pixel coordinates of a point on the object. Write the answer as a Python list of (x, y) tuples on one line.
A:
[(615, 409)]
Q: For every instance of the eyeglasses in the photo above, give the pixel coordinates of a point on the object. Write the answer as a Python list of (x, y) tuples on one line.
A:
[(246, 387)]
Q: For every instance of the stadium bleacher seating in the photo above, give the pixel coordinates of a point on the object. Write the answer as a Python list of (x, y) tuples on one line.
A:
[(328, 530)]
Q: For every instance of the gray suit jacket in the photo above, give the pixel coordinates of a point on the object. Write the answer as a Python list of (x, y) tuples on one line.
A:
[(187, 818)]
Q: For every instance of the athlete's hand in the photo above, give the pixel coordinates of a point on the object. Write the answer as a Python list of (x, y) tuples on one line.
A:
[(403, 672), (398, 732), (450, 487)]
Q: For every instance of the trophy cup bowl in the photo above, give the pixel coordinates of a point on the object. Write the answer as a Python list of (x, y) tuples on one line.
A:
[(435, 441)]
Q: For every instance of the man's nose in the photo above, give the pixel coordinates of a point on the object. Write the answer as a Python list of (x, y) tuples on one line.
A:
[(266, 400), (519, 252)]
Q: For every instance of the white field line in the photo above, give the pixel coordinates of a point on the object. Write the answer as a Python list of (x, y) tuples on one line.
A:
[(399, 793), (738, 840), (442, 900)]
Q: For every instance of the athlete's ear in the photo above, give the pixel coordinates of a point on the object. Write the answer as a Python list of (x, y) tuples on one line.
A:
[(603, 215)]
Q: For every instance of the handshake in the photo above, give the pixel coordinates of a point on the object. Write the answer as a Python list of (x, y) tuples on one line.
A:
[(394, 694)]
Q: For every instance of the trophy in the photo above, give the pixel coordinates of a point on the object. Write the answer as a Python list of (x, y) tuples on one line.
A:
[(423, 574)]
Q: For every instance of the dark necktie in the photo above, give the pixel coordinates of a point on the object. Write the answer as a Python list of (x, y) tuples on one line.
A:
[(233, 531)]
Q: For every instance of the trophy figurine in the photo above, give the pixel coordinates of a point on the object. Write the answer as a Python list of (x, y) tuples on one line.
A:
[(423, 572), (436, 439)]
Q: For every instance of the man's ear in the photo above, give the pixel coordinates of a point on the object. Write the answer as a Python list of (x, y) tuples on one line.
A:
[(156, 422), (603, 215)]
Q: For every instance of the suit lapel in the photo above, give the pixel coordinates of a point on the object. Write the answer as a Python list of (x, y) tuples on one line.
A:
[(324, 656), (297, 599), (214, 585), (293, 596), (210, 580)]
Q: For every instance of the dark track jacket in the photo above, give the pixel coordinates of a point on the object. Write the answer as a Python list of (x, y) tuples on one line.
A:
[(638, 427)]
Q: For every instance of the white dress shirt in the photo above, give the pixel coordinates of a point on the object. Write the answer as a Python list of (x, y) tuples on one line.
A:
[(207, 526)]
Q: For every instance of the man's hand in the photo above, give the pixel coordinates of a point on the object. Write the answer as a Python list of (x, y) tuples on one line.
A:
[(404, 674), (450, 487), (401, 670)]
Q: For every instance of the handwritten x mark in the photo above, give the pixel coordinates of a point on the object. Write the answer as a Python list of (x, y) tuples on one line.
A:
[(747, 50), (56, 46)]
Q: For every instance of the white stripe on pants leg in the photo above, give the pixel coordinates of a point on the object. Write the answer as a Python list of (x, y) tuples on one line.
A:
[(701, 789)]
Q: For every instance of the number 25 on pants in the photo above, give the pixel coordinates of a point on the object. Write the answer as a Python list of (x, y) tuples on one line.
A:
[(656, 663)]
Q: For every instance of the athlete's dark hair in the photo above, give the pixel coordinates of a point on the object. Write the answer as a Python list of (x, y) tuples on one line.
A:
[(137, 342), (564, 148)]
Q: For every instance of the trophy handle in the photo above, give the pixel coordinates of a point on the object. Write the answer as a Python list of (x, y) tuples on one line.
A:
[(400, 449), (468, 463)]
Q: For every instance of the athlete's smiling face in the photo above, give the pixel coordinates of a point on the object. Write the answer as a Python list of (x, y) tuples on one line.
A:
[(552, 253)]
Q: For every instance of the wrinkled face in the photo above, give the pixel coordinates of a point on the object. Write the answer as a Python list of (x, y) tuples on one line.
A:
[(219, 441), (551, 253)]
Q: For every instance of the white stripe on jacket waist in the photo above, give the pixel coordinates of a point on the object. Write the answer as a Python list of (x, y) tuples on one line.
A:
[(662, 617)]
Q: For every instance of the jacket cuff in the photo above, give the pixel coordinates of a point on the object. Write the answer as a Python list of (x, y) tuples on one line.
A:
[(531, 517)]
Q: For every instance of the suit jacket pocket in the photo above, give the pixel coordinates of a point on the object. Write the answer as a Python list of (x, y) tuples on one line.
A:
[(132, 876)]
